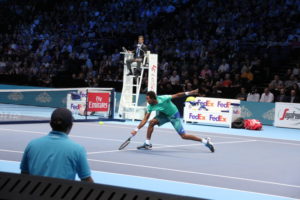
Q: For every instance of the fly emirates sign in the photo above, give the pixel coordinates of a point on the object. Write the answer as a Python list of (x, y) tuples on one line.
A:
[(98, 102)]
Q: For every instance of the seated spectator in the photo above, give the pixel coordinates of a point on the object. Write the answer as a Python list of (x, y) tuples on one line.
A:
[(244, 67), (174, 78), (253, 95), (205, 71), (187, 86), (227, 82), (55, 155), (236, 83), (296, 87), (176, 87), (275, 82), (298, 82), (294, 97), (288, 74), (115, 57), (168, 88), (267, 96), (216, 92), (242, 95), (296, 70), (248, 75), (224, 67), (289, 82), (282, 97), (235, 67)]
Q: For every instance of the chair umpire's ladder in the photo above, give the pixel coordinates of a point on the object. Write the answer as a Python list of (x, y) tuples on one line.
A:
[(129, 103)]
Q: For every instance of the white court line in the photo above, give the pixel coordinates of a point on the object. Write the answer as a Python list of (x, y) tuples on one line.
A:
[(181, 182), (197, 173), (72, 136), (10, 151), (160, 147), (169, 146), (206, 134), (116, 140)]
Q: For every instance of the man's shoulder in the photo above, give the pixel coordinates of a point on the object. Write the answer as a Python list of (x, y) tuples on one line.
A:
[(75, 145), (164, 97), (38, 140)]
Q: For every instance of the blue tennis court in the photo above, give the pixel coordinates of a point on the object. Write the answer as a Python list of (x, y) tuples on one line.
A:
[(246, 164)]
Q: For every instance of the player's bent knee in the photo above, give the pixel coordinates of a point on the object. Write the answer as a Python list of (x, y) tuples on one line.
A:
[(183, 136), (153, 122)]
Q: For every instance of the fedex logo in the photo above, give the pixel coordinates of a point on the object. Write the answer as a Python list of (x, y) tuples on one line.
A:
[(75, 106), (197, 116), (218, 118), (206, 103), (223, 105), (82, 93), (236, 112)]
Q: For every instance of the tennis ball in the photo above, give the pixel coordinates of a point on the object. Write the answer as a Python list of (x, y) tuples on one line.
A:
[(101, 123), (190, 99)]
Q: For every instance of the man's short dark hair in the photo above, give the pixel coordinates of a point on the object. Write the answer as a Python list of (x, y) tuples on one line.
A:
[(151, 94), (61, 120), (140, 36)]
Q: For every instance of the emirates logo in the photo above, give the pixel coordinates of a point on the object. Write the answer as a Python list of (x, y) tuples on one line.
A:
[(16, 96), (269, 115), (245, 112), (43, 98)]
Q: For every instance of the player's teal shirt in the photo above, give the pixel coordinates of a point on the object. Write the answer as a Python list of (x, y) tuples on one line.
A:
[(164, 105), (55, 155)]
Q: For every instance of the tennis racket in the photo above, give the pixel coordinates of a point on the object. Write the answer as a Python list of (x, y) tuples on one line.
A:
[(124, 144)]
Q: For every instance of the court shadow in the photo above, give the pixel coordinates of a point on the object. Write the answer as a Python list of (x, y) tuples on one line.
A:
[(175, 153)]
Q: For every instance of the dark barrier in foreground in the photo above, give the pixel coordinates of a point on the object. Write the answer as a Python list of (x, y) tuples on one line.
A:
[(21, 187)]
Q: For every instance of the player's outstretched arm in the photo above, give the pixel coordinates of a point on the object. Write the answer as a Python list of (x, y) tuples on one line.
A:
[(143, 122), (182, 94)]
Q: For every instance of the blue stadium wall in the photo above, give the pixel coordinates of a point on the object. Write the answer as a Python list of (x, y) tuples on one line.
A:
[(250, 110)]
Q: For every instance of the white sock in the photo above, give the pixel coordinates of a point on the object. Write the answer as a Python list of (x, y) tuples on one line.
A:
[(204, 141), (147, 141)]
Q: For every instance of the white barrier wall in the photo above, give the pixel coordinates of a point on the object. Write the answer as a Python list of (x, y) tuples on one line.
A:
[(287, 115), (213, 111)]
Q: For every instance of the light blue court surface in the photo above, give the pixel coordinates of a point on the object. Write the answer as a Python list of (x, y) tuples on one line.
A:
[(200, 173)]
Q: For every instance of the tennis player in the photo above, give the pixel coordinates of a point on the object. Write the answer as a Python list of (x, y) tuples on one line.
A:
[(167, 112)]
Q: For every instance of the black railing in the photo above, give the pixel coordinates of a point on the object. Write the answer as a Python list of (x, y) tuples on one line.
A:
[(24, 187)]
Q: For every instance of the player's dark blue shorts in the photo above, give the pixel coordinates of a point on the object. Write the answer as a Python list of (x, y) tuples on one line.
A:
[(174, 119)]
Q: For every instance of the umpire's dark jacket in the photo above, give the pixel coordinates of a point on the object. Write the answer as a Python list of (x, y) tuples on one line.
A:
[(140, 51)]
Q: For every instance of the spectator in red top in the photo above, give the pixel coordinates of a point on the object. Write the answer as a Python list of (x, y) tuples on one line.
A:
[(205, 71), (227, 82)]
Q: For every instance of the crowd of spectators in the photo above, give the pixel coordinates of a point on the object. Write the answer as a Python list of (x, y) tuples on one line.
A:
[(280, 89), (221, 47)]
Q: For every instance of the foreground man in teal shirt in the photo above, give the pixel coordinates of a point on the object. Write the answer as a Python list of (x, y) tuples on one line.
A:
[(56, 155), (167, 112)]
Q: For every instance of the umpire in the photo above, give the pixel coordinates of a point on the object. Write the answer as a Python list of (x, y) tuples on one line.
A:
[(138, 57)]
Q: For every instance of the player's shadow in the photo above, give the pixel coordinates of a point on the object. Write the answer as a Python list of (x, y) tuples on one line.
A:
[(175, 153)]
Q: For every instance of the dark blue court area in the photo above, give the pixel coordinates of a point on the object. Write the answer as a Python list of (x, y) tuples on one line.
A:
[(246, 164)]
